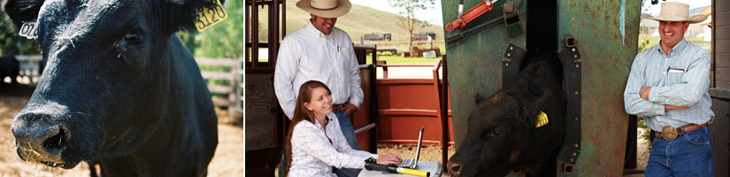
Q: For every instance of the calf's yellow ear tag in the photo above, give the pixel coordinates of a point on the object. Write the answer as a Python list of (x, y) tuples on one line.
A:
[(207, 16), (542, 119)]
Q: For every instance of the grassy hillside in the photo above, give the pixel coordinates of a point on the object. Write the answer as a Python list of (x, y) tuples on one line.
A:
[(360, 21)]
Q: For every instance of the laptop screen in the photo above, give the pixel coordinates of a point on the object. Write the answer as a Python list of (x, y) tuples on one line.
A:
[(420, 139)]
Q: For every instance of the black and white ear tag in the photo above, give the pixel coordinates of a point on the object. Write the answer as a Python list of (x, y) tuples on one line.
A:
[(29, 30)]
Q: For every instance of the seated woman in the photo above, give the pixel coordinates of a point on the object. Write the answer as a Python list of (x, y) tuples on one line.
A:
[(315, 142)]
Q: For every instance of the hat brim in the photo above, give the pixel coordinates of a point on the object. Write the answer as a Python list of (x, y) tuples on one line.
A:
[(343, 7), (694, 19)]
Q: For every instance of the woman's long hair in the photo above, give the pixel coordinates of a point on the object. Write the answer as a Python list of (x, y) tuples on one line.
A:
[(301, 113)]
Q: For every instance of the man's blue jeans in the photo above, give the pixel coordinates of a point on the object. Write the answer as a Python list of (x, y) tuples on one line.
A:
[(349, 131), (688, 155)]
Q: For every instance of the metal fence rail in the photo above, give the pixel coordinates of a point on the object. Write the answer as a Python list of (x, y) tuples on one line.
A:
[(234, 91), (29, 67)]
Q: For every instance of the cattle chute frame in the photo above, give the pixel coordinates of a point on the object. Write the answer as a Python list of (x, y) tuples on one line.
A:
[(604, 69), (478, 65)]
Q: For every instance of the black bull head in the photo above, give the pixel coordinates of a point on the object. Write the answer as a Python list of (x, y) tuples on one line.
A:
[(119, 88), (503, 133)]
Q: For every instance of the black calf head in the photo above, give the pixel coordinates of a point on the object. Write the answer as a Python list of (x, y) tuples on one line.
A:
[(502, 131), (107, 75)]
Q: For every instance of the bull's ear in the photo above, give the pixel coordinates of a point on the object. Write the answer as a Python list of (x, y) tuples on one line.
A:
[(532, 110), (479, 98), (22, 10), (183, 14)]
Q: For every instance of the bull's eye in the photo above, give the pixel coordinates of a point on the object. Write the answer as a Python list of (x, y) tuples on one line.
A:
[(494, 133), (134, 36), (497, 132)]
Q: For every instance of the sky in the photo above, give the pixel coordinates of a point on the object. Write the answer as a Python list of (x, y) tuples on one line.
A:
[(434, 15), (654, 9)]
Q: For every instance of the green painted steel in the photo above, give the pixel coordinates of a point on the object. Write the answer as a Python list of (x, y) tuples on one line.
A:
[(475, 58), (607, 34)]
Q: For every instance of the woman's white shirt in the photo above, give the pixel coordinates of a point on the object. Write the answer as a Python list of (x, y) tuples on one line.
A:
[(314, 155)]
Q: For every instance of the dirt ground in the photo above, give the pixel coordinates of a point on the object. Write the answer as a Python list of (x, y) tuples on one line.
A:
[(433, 153), (228, 159), (428, 153)]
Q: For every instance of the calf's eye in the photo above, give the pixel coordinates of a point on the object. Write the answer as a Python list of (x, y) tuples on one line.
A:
[(496, 133), (493, 133), (134, 36)]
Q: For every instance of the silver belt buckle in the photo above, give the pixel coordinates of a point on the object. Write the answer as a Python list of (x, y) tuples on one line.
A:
[(669, 133)]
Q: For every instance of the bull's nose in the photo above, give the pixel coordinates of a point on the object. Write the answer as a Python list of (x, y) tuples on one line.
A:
[(454, 168), (37, 133)]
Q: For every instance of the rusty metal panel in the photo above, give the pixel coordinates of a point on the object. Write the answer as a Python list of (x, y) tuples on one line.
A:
[(404, 106), (475, 58), (367, 112), (607, 34)]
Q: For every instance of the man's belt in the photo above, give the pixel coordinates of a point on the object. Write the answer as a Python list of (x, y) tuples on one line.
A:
[(339, 107), (670, 133)]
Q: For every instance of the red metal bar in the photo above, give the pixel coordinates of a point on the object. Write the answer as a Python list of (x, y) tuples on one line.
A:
[(375, 55), (403, 81), (469, 15), (364, 120), (409, 112), (405, 65)]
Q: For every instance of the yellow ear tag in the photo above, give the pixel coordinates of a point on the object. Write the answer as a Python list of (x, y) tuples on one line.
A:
[(205, 17), (542, 119)]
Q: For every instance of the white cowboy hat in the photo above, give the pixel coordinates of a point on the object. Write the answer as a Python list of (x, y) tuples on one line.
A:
[(325, 8), (675, 12)]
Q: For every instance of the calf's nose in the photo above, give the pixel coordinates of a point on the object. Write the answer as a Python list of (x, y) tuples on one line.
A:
[(454, 168), (37, 133)]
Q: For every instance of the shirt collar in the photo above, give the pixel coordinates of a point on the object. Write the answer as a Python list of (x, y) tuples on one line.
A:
[(327, 121), (682, 43), (314, 31)]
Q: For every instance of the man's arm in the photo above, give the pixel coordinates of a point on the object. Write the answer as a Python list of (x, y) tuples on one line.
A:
[(644, 93), (286, 68), (633, 103), (695, 82)]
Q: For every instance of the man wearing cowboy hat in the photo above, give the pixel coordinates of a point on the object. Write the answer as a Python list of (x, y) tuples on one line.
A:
[(319, 51), (668, 86)]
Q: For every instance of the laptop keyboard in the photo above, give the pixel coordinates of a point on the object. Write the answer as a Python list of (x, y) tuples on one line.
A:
[(407, 162)]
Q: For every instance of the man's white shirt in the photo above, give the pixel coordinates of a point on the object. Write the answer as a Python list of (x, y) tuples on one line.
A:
[(308, 54)]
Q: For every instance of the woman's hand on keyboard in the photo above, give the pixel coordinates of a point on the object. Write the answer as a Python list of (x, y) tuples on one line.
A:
[(389, 159)]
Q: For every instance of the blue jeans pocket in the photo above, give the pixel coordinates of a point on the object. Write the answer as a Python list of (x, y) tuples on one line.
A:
[(698, 137)]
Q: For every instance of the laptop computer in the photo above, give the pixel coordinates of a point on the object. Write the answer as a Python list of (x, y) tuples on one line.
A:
[(411, 163)]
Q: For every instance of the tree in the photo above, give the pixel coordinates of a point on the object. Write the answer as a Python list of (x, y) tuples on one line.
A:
[(407, 16), (223, 40), (13, 44)]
